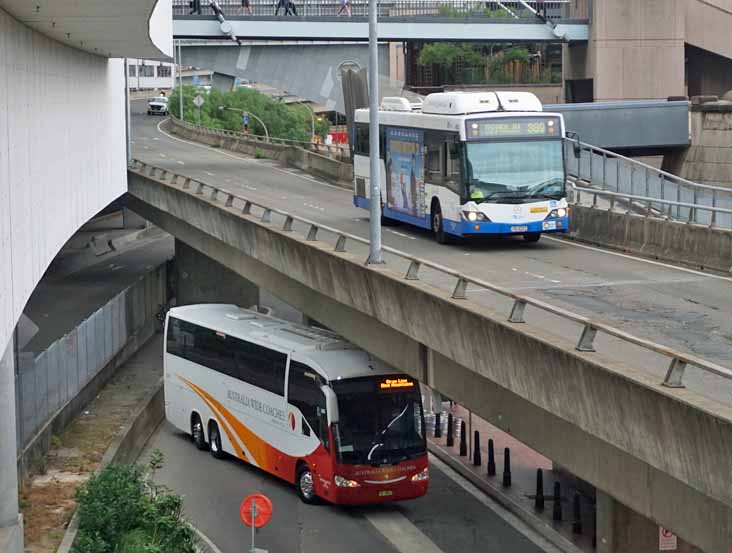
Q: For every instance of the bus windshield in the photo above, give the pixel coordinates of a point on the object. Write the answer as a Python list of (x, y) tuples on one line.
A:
[(379, 424), (498, 171)]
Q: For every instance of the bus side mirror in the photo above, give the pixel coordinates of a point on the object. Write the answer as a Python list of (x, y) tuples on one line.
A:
[(331, 404)]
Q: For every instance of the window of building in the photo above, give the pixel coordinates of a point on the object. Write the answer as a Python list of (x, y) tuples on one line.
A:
[(147, 71), (304, 392), (132, 69), (164, 71)]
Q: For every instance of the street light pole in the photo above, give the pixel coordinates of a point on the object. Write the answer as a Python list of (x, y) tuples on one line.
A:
[(180, 84), (374, 158)]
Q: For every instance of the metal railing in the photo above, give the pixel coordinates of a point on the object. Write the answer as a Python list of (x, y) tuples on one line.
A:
[(509, 10), (335, 151), (673, 196), (678, 361)]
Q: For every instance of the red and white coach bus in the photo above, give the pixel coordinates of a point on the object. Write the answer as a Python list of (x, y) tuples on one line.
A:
[(295, 401)]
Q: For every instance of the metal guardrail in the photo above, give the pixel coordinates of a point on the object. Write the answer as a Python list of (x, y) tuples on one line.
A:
[(334, 151), (590, 328), (635, 202), (491, 9), (678, 198)]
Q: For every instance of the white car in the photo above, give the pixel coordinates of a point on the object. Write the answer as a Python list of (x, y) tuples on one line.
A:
[(158, 106)]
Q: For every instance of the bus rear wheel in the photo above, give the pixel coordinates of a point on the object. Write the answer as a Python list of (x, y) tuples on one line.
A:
[(199, 439), (532, 237), (438, 228), (214, 437), (305, 485)]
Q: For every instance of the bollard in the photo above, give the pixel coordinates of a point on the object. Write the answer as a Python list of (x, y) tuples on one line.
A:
[(557, 511), (450, 431), (491, 459), (463, 440), (576, 514), (477, 460), (438, 426), (506, 468), (539, 499)]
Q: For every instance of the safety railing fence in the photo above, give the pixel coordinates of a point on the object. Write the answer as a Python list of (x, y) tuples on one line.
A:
[(48, 380), (520, 307), (554, 9), (335, 151), (664, 193)]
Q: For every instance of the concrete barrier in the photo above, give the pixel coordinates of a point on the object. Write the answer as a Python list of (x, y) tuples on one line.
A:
[(689, 244), (332, 170)]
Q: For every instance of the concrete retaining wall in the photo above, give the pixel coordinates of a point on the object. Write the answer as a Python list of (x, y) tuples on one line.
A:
[(55, 386), (689, 244), (662, 452), (337, 172)]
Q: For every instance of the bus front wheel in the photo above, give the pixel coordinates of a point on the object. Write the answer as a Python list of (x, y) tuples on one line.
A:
[(304, 483), (214, 437), (438, 228)]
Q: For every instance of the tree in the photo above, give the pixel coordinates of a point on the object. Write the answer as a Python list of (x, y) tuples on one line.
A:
[(445, 55)]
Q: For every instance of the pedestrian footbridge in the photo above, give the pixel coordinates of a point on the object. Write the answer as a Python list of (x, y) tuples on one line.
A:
[(464, 20)]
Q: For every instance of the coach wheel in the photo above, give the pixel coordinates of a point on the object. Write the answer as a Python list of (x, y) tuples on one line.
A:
[(214, 437), (197, 432), (305, 485), (532, 237), (438, 228)]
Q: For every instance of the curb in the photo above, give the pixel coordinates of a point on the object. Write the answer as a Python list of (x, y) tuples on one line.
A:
[(512, 506), (126, 447)]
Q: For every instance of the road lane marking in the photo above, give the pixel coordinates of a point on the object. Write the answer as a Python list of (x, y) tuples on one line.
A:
[(641, 259), (401, 532), (516, 523), (401, 234), (180, 162), (209, 173)]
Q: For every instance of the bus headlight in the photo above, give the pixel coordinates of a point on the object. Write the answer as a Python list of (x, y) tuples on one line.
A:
[(345, 482), (560, 212), (420, 476), (474, 216)]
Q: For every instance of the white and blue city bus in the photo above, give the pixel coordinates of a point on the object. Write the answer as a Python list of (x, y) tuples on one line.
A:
[(467, 164)]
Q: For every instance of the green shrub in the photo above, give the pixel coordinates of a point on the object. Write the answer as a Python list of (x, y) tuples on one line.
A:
[(118, 513)]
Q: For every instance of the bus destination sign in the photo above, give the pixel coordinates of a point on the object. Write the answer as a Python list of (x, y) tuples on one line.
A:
[(509, 127), (396, 383)]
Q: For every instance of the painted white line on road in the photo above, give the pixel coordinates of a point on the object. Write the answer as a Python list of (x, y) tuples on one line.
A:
[(180, 162), (205, 539), (511, 519), (400, 531), (162, 155), (401, 234), (249, 187), (641, 259), (246, 160), (209, 173)]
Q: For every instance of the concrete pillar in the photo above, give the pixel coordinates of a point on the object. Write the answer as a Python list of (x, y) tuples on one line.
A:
[(635, 51), (131, 220), (11, 523), (622, 530), (200, 279), (222, 82)]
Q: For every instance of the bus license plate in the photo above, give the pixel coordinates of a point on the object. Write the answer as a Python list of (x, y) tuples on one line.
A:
[(523, 228), (385, 493)]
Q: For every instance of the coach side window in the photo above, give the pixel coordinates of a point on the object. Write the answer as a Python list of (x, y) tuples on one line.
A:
[(303, 391), (434, 157), (260, 366)]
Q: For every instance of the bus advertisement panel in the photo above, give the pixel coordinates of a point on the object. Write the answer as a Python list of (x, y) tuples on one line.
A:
[(405, 171)]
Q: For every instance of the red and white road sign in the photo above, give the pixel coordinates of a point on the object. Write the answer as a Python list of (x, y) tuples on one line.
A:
[(262, 510), (667, 540)]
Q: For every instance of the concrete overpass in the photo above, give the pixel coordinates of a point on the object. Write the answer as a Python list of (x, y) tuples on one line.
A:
[(603, 415)]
